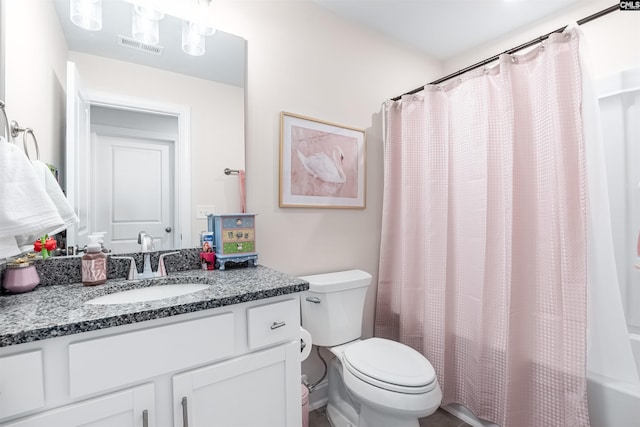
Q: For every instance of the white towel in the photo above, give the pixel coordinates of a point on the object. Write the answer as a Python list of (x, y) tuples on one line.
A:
[(25, 207), (8, 247), (58, 198)]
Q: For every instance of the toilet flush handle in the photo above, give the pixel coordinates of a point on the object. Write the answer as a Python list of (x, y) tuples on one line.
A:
[(314, 300)]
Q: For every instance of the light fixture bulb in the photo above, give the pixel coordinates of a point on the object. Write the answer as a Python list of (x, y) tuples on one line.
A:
[(86, 14), (206, 10), (144, 28), (192, 40)]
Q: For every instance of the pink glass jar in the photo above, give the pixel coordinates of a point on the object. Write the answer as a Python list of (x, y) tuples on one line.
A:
[(21, 276)]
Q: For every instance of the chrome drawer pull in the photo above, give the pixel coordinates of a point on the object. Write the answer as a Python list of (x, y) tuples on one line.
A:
[(145, 418), (314, 300), (277, 325), (185, 414)]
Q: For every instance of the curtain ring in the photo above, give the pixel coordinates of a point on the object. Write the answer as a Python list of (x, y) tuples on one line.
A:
[(29, 131)]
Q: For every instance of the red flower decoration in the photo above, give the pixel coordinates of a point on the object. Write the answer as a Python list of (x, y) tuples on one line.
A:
[(44, 245), (50, 244)]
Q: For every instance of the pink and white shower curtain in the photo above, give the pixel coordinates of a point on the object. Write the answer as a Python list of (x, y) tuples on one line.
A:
[(483, 250)]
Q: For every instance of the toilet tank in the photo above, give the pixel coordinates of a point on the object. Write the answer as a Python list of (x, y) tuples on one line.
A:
[(332, 307)]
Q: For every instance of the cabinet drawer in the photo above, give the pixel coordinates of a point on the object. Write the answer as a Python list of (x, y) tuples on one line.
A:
[(240, 221), (273, 323), (104, 363), (239, 235), (21, 383)]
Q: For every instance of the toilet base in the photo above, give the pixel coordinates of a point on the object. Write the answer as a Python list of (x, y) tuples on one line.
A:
[(338, 419), (341, 409), (345, 411), (370, 417)]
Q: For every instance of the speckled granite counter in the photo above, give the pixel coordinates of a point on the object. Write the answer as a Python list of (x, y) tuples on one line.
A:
[(58, 310)]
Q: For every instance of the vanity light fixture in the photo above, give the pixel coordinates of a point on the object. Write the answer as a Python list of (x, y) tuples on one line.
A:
[(86, 14), (197, 17), (192, 39), (193, 33), (145, 23)]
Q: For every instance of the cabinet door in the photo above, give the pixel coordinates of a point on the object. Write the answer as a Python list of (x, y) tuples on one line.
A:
[(130, 408), (259, 389)]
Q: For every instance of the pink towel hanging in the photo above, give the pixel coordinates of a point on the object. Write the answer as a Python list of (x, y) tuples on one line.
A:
[(243, 197)]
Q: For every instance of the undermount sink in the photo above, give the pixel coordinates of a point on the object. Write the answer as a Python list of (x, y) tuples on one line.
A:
[(151, 293)]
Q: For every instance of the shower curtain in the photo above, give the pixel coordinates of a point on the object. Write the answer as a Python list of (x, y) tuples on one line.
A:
[(483, 247)]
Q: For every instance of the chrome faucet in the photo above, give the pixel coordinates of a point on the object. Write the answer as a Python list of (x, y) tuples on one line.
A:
[(145, 241), (146, 246)]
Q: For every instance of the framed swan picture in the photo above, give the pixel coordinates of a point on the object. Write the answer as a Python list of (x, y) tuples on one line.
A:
[(322, 165)]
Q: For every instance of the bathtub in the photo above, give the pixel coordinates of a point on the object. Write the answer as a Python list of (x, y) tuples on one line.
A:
[(614, 403)]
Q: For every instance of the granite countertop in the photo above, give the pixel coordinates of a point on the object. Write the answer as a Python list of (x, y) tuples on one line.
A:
[(58, 310)]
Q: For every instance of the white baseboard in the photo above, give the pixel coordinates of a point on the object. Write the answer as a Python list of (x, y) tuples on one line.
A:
[(319, 396), (466, 415)]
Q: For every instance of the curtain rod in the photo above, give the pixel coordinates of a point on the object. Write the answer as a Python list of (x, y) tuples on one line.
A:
[(510, 51)]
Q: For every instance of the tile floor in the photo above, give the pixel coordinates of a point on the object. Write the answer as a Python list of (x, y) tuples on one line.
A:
[(440, 418)]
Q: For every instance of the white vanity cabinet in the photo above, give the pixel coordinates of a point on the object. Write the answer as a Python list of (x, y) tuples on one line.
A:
[(259, 389), (129, 408), (237, 365)]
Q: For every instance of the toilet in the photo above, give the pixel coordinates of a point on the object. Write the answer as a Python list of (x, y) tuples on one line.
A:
[(373, 382)]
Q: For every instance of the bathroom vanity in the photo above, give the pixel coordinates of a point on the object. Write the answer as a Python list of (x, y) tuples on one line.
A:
[(225, 356)]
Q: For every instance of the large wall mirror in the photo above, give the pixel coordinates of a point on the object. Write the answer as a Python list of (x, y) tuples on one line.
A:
[(141, 134)]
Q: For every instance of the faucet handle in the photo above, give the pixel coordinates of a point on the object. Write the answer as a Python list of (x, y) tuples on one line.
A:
[(162, 271)]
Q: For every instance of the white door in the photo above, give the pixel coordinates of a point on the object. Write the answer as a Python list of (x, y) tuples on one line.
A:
[(130, 408), (76, 179), (259, 389), (134, 182)]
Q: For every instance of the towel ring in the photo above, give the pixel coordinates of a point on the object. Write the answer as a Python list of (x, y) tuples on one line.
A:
[(15, 131), (7, 131), (29, 131)]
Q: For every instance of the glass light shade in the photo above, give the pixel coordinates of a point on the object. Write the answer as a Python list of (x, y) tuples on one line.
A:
[(192, 40), (147, 11), (86, 14), (205, 9), (144, 29), (206, 30)]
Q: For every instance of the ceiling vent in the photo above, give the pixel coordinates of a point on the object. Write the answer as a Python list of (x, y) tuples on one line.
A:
[(135, 44)]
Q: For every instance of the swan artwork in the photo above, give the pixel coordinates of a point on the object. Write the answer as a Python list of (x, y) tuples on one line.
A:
[(323, 167)]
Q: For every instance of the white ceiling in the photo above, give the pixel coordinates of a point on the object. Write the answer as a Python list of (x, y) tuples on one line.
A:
[(446, 28)]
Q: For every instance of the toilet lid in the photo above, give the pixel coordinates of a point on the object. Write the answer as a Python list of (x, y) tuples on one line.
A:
[(385, 361)]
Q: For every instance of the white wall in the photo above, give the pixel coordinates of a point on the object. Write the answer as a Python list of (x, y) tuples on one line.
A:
[(35, 83), (613, 40), (217, 122), (305, 60)]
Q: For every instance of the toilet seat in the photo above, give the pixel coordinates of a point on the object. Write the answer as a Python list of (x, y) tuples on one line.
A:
[(390, 365)]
